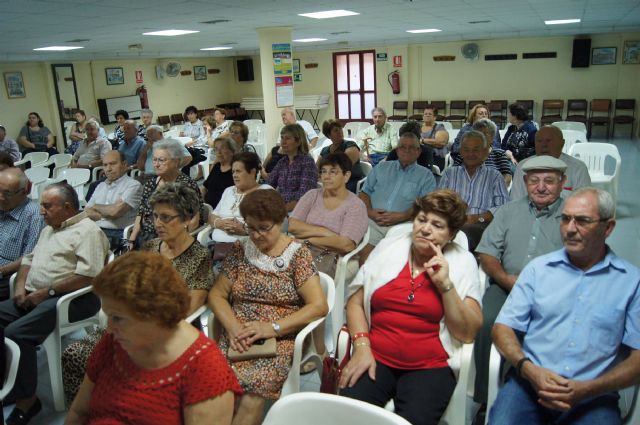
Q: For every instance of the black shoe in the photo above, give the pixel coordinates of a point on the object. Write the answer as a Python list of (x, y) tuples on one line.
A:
[(480, 415), (18, 417)]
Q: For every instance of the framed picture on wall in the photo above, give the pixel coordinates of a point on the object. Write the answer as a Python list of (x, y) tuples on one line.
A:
[(14, 84), (114, 76), (603, 55), (296, 66), (199, 72), (631, 52)]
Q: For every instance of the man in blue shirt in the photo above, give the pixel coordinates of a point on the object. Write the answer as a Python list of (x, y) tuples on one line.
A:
[(391, 188), (131, 144), (571, 325)]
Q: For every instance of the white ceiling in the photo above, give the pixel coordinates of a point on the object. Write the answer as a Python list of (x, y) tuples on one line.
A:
[(112, 25)]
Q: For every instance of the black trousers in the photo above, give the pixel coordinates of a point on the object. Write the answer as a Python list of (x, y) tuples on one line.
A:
[(419, 396)]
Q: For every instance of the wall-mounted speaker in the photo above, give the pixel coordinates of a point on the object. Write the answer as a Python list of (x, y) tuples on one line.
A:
[(581, 53), (245, 69)]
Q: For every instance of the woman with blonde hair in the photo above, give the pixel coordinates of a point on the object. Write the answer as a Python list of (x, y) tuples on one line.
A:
[(478, 112)]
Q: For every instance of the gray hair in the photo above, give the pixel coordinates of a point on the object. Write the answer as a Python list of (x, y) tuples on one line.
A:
[(66, 192), (146, 111), (178, 196), (155, 127), (606, 204), (228, 143), (92, 122), (173, 147), (131, 122), (473, 134), (410, 135), (485, 123), (378, 109)]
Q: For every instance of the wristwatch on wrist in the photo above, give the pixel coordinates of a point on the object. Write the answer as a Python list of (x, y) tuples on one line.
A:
[(276, 328), (521, 363), (481, 219), (52, 292)]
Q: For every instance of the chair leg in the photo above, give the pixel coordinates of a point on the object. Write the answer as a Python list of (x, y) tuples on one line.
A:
[(53, 348)]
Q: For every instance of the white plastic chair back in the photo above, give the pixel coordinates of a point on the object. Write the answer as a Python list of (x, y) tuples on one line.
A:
[(204, 236), (322, 143), (603, 162), (354, 128), (62, 161), (571, 125), (76, 177), (34, 158), (39, 178), (395, 127), (366, 167), (447, 125), (399, 229), (571, 137), (310, 408)]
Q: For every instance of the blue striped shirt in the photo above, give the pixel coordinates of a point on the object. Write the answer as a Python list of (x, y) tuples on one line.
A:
[(485, 191), (19, 231)]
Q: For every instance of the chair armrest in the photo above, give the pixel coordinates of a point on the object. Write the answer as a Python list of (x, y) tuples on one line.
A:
[(204, 235), (95, 172), (495, 361), (196, 314), (62, 306), (22, 161)]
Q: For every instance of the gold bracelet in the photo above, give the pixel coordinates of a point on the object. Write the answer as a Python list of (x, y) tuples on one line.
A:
[(447, 289), (362, 344)]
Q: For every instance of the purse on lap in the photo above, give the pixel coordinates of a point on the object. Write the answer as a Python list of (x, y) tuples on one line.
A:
[(260, 348)]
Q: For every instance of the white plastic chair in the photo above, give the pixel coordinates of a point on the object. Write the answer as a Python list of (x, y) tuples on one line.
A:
[(77, 178), (310, 408), (447, 125), (315, 152), (292, 384), (571, 137), (337, 314), (595, 155), (366, 167), (38, 176), (352, 129), (571, 125), (34, 158), (60, 161), (12, 358), (204, 235), (629, 402)]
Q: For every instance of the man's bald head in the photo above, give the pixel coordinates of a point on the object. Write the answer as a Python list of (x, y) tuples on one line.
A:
[(14, 188), (549, 141)]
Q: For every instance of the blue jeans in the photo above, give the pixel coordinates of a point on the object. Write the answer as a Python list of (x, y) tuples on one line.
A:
[(517, 404), (375, 158)]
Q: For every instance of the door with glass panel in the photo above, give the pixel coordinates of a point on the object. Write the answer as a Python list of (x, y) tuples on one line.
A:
[(354, 76)]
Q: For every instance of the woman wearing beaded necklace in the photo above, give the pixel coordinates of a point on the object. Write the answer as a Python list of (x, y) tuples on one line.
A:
[(415, 301)]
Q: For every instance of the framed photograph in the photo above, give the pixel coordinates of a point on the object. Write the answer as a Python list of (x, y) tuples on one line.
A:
[(14, 84), (199, 72), (631, 52), (603, 55), (114, 76), (296, 66)]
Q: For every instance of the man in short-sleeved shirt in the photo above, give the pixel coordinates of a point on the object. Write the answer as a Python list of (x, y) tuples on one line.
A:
[(91, 150), (571, 325), (288, 116), (9, 145), (131, 144), (521, 230), (115, 202), (391, 189), (70, 252), (377, 140)]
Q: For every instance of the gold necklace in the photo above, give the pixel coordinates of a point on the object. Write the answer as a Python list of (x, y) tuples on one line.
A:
[(412, 294)]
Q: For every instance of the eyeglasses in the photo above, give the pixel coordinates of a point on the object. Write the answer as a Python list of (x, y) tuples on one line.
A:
[(548, 181), (160, 160), (580, 220), (164, 218), (263, 231), (8, 194)]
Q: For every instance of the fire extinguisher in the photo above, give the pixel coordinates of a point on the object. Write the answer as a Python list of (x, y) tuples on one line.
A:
[(144, 100), (394, 82)]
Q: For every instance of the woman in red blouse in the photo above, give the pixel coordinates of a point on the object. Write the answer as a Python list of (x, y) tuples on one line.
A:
[(411, 312), (151, 367)]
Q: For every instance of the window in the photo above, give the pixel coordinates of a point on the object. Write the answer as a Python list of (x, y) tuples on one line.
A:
[(354, 76)]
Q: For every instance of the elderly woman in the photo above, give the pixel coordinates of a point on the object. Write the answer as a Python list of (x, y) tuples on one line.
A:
[(434, 134), (519, 141), (480, 186), (478, 112), (295, 173), (239, 132), (35, 137), (226, 220), (332, 129), (174, 205), (411, 312), (167, 156), (151, 367), (220, 176), (77, 132), (268, 289), (497, 158), (331, 220)]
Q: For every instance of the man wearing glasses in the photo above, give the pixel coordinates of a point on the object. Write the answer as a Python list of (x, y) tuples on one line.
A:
[(520, 231), (571, 325), (20, 224)]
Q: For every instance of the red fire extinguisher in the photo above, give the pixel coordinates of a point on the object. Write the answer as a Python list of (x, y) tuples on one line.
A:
[(144, 100), (394, 82)]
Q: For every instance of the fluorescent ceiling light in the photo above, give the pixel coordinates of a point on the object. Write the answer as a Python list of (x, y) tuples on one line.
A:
[(424, 30), (217, 48), (562, 21), (58, 48), (309, 40), (169, 33), (329, 14)]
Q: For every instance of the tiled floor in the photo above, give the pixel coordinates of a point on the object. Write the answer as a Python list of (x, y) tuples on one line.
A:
[(625, 241)]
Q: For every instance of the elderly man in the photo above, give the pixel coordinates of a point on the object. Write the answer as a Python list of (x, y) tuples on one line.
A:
[(377, 140), (115, 201), (131, 144), (571, 325), (20, 224), (391, 188), (145, 159), (146, 118), (92, 149), (549, 141), (288, 116), (520, 231), (70, 252), (481, 187), (9, 145)]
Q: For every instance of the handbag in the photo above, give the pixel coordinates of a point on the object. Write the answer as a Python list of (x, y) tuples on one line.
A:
[(259, 348), (332, 365), (221, 250)]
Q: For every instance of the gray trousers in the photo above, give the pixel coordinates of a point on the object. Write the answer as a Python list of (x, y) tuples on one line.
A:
[(29, 328), (492, 302)]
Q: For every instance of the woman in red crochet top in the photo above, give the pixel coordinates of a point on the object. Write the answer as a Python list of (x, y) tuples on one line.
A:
[(152, 367)]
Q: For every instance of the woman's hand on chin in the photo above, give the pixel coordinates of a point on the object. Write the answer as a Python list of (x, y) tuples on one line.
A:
[(438, 267)]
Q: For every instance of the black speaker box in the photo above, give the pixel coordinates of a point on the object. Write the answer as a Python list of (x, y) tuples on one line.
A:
[(581, 53), (245, 69)]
